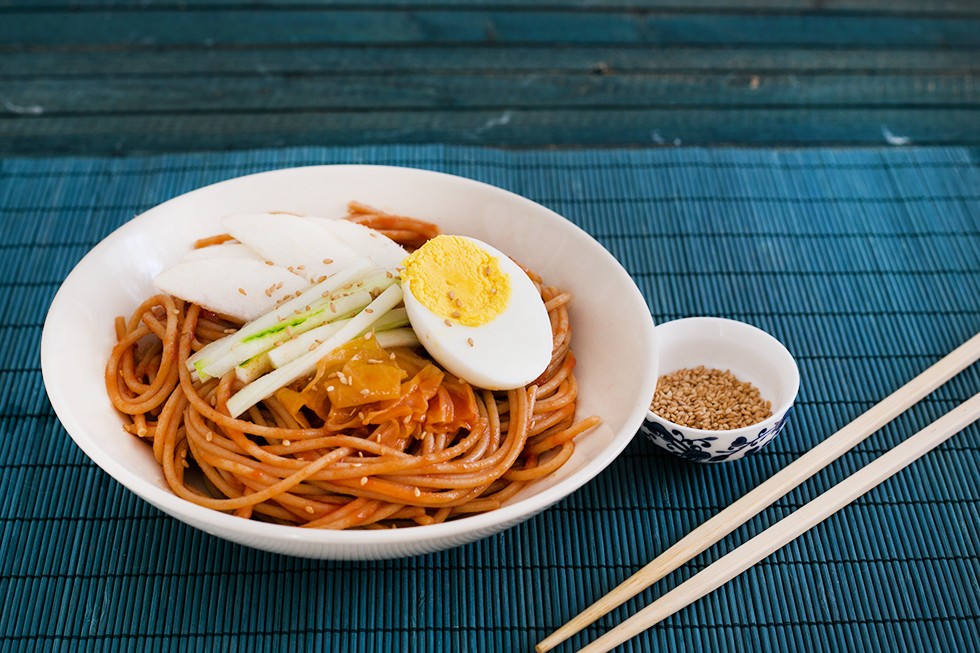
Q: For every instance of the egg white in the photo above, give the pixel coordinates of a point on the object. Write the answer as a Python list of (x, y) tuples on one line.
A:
[(509, 352)]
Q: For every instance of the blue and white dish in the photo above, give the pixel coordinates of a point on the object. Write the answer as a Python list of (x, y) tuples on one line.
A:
[(752, 355)]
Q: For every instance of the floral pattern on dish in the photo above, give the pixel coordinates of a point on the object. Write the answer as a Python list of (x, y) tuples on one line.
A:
[(710, 448)]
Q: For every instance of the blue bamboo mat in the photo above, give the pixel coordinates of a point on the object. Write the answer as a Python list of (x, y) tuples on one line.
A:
[(866, 263)]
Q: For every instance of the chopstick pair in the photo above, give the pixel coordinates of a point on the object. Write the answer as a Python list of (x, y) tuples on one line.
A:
[(791, 527)]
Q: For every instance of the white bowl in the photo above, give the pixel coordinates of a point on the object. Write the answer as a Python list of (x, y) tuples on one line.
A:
[(613, 335), (752, 355)]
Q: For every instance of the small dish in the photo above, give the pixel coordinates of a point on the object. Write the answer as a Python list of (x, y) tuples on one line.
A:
[(752, 355)]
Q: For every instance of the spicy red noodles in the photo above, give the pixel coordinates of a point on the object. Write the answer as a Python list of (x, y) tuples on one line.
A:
[(439, 450)]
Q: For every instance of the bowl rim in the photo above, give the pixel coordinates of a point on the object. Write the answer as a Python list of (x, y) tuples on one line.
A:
[(777, 414), (199, 516)]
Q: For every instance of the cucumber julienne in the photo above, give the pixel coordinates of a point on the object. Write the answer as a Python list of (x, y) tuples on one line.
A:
[(267, 384), (217, 358)]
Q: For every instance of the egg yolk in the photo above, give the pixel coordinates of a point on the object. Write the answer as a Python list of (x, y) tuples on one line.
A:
[(457, 280)]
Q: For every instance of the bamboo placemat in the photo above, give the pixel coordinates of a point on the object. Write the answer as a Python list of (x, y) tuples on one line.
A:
[(865, 262)]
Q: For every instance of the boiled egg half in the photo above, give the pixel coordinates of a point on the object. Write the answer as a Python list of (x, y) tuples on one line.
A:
[(477, 313)]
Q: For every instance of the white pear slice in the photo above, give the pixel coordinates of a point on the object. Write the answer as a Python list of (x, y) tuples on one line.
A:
[(224, 250), (374, 245), (292, 242), (238, 287)]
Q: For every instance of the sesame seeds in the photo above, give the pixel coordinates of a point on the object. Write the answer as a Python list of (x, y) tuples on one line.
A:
[(286, 443), (710, 399), (368, 310), (417, 492), (451, 295), (327, 261), (363, 481), (309, 509), (330, 388), (269, 263), (486, 271), (455, 314), (448, 323), (365, 392), (242, 291), (469, 341)]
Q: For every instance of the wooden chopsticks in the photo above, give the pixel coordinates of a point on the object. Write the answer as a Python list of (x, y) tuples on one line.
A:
[(789, 528), (768, 492)]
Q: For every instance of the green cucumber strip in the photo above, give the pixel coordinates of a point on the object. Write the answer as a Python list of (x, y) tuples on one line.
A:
[(293, 349), (253, 368), (397, 338), (264, 386), (396, 317), (283, 332), (323, 309), (217, 349), (290, 351)]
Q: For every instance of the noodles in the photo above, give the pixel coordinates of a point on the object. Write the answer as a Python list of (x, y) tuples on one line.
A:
[(379, 465)]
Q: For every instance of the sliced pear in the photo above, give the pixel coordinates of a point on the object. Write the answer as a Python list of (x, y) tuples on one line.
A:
[(224, 250), (292, 242), (237, 287), (374, 245)]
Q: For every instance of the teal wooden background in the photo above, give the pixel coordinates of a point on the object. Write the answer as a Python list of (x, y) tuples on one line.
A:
[(120, 76)]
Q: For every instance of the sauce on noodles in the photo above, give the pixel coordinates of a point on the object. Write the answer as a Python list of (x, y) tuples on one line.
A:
[(401, 442)]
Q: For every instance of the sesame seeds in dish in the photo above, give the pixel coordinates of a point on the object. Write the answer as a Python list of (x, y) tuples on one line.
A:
[(709, 399)]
